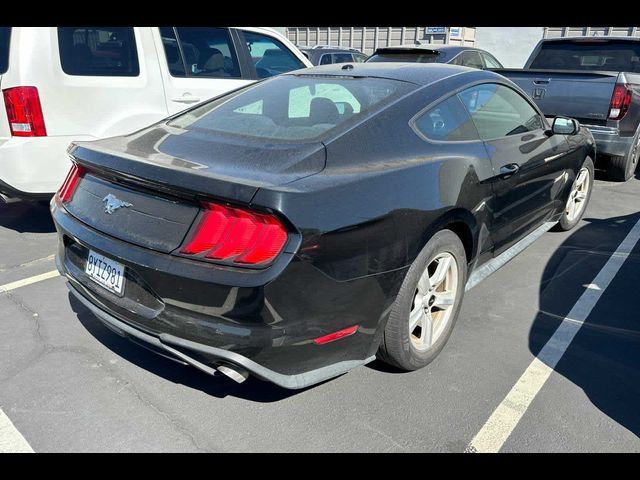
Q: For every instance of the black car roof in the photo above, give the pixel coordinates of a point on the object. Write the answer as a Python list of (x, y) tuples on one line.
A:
[(417, 73)]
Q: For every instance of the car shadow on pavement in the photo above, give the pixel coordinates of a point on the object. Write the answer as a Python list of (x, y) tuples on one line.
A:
[(219, 386), (604, 357), (26, 216)]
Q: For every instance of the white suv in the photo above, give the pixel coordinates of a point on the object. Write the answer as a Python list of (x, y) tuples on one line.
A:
[(61, 84)]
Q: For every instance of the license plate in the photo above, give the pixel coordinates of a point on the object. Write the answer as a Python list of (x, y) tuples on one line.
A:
[(105, 272)]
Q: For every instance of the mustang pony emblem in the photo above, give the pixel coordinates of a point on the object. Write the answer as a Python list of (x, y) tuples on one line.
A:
[(111, 204)]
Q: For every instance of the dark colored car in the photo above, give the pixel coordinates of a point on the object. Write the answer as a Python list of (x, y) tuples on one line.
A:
[(595, 80), (296, 228), (451, 54), (325, 54)]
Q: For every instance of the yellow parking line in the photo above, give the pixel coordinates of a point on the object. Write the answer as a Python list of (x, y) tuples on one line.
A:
[(28, 281)]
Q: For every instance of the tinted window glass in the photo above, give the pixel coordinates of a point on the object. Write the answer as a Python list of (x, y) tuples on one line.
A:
[(270, 56), (589, 55), (342, 57), (499, 111), (208, 52), (469, 58), (292, 107), (325, 59), (404, 57), (448, 121), (490, 62), (5, 34), (172, 52), (98, 51)]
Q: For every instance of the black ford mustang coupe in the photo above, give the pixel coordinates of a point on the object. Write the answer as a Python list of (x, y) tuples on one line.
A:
[(299, 227)]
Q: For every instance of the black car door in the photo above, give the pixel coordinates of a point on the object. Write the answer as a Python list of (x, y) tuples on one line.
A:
[(531, 169)]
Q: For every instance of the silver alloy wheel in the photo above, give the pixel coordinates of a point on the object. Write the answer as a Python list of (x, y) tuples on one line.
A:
[(433, 301), (578, 195)]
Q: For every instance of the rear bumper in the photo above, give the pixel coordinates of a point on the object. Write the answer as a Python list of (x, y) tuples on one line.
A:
[(609, 141), (183, 350), (207, 315), (9, 191), (34, 167)]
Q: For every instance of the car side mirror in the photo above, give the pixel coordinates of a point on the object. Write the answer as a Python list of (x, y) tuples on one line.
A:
[(565, 126)]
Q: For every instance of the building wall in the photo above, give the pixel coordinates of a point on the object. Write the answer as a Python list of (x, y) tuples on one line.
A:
[(367, 39), (510, 45)]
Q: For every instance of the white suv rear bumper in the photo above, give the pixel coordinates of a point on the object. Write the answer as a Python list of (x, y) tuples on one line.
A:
[(34, 166)]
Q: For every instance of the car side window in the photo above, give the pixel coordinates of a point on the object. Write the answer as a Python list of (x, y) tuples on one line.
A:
[(208, 52), (490, 61), (499, 111), (447, 121), (342, 58), (5, 35), (325, 59), (270, 56), (98, 51), (471, 58), (359, 57), (175, 61)]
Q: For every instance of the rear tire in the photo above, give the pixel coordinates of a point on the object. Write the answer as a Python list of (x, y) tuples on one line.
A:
[(578, 198), (622, 168), (431, 294)]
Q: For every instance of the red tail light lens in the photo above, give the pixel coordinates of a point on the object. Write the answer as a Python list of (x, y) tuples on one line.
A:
[(70, 183), (236, 235), (620, 101), (24, 112)]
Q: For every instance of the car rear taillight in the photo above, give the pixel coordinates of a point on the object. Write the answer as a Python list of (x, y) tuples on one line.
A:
[(620, 101), (236, 236), (24, 112), (70, 183)]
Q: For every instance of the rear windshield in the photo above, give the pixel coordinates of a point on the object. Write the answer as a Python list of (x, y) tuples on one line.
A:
[(618, 56), (5, 34), (292, 107), (405, 57)]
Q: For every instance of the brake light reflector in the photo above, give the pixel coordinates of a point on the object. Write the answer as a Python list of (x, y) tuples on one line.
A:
[(336, 335), (236, 235), (620, 101), (24, 112), (70, 183)]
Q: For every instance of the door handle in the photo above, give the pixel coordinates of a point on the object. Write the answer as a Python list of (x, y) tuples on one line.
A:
[(508, 170), (541, 81), (186, 98)]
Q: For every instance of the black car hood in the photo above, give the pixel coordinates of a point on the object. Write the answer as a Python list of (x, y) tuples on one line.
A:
[(201, 162)]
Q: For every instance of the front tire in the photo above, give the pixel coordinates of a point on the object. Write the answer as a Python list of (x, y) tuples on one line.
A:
[(426, 308), (578, 197)]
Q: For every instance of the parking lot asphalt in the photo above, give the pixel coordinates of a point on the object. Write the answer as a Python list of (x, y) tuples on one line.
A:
[(67, 383)]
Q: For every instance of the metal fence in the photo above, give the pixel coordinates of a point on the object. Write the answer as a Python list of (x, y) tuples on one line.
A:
[(555, 32), (367, 39)]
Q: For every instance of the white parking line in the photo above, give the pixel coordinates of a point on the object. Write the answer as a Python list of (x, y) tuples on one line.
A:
[(11, 440), (504, 419), (28, 281)]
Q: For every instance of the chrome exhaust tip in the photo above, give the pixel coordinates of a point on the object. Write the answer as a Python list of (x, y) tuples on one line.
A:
[(235, 373), (7, 199)]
